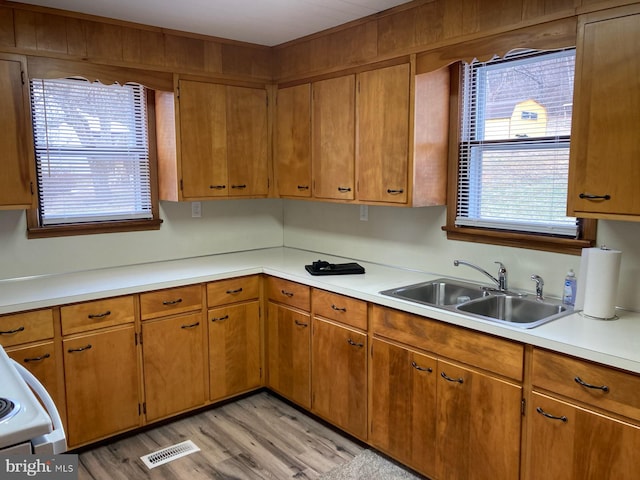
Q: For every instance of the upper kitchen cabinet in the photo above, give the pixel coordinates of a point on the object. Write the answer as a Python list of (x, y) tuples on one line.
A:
[(292, 157), (604, 170), (17, 179), (212, 141)]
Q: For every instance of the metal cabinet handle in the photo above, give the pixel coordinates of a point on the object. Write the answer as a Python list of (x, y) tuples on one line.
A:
[(172, 302), (344, 189), (604, 388), (239, 186), (301, 324), (237, 290), (303, 187), (422, 369), (589, 196), (552, 417), (286, 294), (392, 191), (449, 379), (192, 325), (99, 315), (217, 187), (219, 319), (80, 349), (354, 344), (339, 309), (11, 332), (37, 359)]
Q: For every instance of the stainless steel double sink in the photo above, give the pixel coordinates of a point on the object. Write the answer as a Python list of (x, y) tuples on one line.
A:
[(478, 301)]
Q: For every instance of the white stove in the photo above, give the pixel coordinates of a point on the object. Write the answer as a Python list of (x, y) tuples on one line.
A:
[(25, 426)]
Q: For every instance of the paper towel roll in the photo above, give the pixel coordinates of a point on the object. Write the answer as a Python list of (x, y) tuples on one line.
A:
[(598, 282)]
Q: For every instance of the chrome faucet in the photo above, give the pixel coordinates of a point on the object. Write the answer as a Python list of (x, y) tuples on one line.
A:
[(539, 285), (501, 281)]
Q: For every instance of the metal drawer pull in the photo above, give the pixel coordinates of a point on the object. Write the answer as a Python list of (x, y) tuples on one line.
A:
[(191, 325), (239, 186), (354, 344), (344, 189), (11, 332), (303, 187), (80, 349), (589, 196), (449, 379), (395, 192), (37, 359), (301, 324), (217, 187), (100, 315), (172, 302), (604, 388), (552, 417), (219, 319), (339, 309), (287, 294), (422, 369), (237, 290)]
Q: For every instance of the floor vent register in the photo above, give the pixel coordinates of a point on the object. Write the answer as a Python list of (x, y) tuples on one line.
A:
[(169, 454)]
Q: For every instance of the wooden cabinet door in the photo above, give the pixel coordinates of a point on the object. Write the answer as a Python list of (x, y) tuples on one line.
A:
[(339, 376), (333, 138), (604, 143), (17, 179), (382, 155), (292, 157), (403, 405), (173, 361), (289, 353), (203, 140), (247, 160), (570, 443), (478, 426), (234, 349), (102, 384)]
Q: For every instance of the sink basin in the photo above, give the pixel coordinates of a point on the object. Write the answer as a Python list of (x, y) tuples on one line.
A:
[(438, 292), (515, 310)]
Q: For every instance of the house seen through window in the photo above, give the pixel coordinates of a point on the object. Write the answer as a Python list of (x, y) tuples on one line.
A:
[(514, 144)]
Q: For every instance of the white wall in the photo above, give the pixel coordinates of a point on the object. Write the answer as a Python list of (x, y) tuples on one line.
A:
[(225, 226), (413, 238)]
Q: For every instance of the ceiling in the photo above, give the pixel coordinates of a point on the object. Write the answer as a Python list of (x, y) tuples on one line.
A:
[(265, 22)]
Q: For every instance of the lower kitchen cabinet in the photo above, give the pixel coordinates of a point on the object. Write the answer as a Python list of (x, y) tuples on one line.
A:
[(403, 405), (173, 360), (289, 353), (235, 364), (102, 384), (478, 425), (339, 376)]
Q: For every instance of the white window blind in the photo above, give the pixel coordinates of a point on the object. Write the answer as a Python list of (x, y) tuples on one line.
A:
[(514, 149), (92, 152)]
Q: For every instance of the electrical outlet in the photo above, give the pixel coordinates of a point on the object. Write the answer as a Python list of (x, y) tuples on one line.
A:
[(364, 213), (196, 209)]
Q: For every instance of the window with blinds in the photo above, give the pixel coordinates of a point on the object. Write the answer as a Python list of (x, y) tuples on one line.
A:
[(514, 147), (92, 153)]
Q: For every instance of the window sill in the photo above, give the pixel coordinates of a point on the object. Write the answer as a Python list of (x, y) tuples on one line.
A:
[(93, 228), (545, 243)]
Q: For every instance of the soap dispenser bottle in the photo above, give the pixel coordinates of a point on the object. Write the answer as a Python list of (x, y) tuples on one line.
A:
[(570, 287)]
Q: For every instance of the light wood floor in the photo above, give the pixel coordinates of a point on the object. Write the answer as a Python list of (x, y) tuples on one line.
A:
[(258, 437)]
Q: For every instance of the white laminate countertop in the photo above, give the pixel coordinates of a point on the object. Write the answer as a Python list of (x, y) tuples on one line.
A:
[(613, 342)]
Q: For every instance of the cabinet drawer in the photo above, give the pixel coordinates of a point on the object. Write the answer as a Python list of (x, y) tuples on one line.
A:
[(609, 389), (340, 308), (289, 293), (97, 314), (26, 327), (170, 301), (233, 290), (503, 357)]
